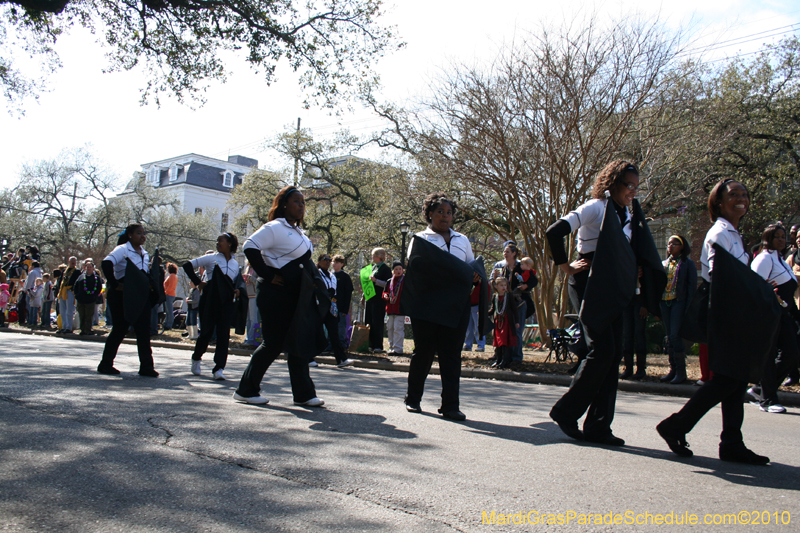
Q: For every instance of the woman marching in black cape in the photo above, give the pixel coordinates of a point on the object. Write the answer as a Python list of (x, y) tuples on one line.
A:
[(594, 388), (280, 253), (746, 302), (218, 302), (119, 267)]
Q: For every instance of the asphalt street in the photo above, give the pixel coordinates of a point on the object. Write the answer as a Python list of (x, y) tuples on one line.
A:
[(83, 452)]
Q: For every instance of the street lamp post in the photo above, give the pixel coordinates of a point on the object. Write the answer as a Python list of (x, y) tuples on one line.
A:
[(404, 226)]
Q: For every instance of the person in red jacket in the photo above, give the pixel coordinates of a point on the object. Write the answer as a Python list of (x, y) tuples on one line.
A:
[(396, 321)]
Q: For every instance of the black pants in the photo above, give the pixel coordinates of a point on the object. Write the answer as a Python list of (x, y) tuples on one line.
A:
[(221, 324), (277, 305), (728, 392), (141, 327), (433, 339), (332, 326), (594, 386), (375, 312), (634, 337), (778, 368), (575, 288)]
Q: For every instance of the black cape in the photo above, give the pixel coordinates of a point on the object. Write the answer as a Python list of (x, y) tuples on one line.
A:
[(612, 277), (218, 296), (306, 338), (157, 280), (136, 297), (437, 285), (654, 278), (743, 319)]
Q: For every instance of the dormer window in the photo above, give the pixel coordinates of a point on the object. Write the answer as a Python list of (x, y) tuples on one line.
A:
[(153, 175), (227, 179), (173, 172)]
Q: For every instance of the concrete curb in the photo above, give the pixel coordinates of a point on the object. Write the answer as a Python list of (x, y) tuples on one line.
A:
[(789, 399)]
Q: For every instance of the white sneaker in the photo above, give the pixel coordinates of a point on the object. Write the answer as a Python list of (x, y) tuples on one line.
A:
[(378, 350), (313, 402), (479, 349), (255, 400), (755, 393), (196, 368), (219, 375), (773, 408), (346, 362), (313, 364), (699, 382)]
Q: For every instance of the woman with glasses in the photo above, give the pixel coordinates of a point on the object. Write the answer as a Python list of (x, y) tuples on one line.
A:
[(594, 387)]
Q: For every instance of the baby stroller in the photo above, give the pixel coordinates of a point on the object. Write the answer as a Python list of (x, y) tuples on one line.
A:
[(178, 316), (564, 339)]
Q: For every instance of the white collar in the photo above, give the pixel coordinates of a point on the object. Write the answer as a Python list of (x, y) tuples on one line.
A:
[(130, 247), (726, 225), (286, 223)]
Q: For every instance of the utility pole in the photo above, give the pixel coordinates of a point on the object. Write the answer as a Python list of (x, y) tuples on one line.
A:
[(297, 151)]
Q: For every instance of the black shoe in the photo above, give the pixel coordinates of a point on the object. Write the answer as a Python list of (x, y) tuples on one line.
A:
[(640, 374), (668, 377), (110, 370), (674, 439), (149, 373), (413, 408), (454, 414), (625, 375), (608, 440), (738, 453), (569, 427)]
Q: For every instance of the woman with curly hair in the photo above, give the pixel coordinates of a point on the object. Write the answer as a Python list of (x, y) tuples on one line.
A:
[(431, 338), (594, 387)]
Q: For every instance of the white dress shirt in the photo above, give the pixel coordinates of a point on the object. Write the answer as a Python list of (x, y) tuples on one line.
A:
[(229, 268), (126, 251), (729, 238), (587, 219), (279, 242), (771, 266), (459, 244)]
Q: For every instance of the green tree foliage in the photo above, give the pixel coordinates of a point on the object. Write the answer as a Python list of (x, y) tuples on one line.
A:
[(181, 44), (742, 121)]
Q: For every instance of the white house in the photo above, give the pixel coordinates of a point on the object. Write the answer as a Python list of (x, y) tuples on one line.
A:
[(200, 183)]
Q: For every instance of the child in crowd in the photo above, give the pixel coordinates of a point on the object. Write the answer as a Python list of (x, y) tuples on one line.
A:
[(35, 300), (528, 282), (48, 297), (503, 312), (396, 323), (5, 297)]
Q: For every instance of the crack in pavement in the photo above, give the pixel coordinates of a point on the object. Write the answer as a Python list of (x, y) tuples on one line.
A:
[(229, 461)]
